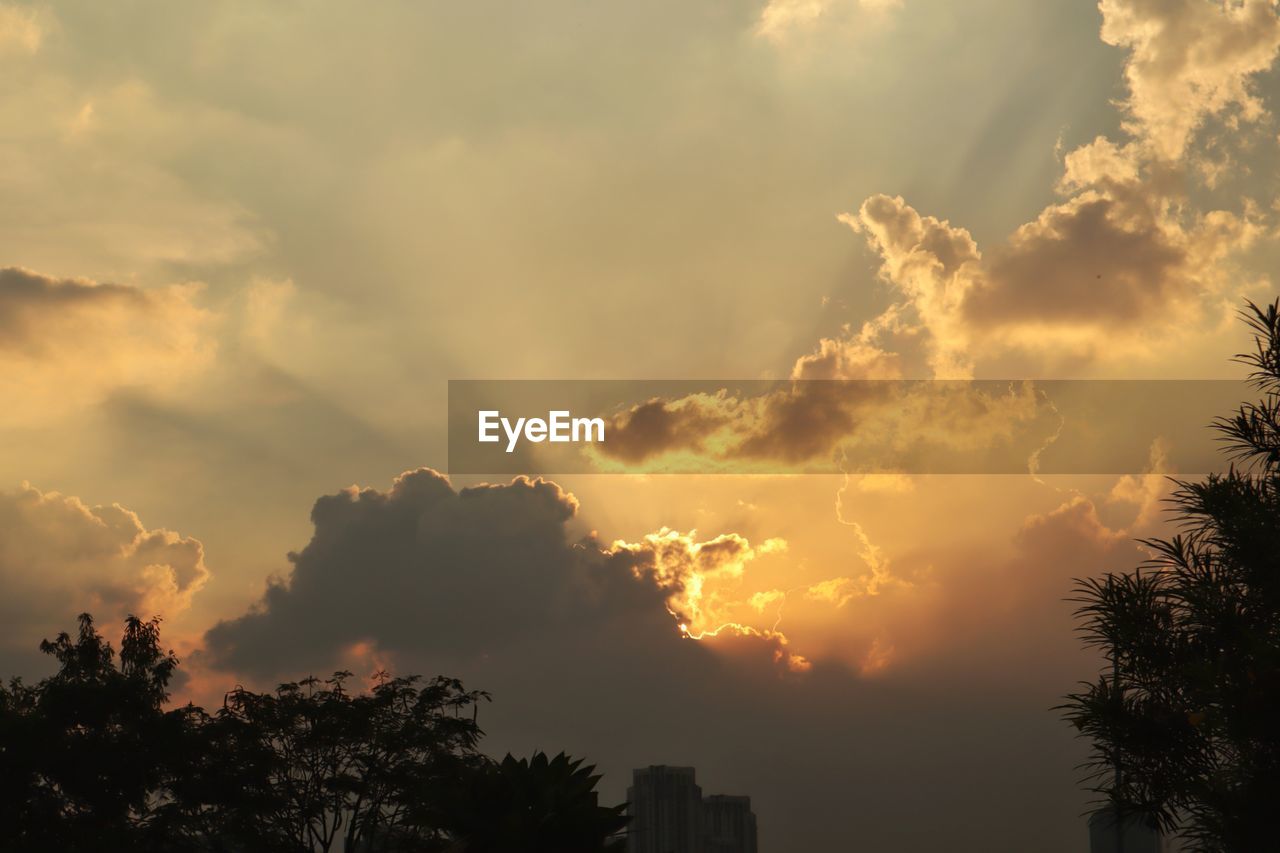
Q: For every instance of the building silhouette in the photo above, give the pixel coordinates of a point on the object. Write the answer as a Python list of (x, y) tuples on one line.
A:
[(728, 825), (670, 815), (665, 805)]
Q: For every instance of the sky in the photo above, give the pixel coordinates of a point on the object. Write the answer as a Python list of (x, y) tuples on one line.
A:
[(244, 247)]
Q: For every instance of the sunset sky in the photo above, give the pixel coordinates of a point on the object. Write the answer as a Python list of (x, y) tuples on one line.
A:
[(245, 246)]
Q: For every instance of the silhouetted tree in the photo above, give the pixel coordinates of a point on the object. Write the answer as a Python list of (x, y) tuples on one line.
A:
[(320, 767), (84, 754), (90, 760), (536, 805), (1185, 719)]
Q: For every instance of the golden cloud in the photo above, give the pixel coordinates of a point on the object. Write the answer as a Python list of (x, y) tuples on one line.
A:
[(1122, 256), (59, 557), (692, 573), (69, 343), (22, 29), (1189, 60)]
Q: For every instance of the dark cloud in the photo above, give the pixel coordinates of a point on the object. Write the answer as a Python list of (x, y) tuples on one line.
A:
[(811, 419), (659, 426), (836, 424), (1082, 263), (575, 641), (424, 568)]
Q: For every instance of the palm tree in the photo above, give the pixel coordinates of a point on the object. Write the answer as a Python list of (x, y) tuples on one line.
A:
[(534, 805)]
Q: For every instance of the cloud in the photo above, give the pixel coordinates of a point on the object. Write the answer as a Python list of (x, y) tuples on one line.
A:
[(1145, 492), (481, 571), (1123, 261), (69, 343), (60, 557), (1123, 254), (859, 356), (817, 425), (884, 483), (578, 642), (656, 425), (1126, 261), (933, 264), (1189, 60), (269, 311), (697, 578), (94, 178), (993, 605), (1074, 525), (575, 640), (783, 21), (22, 30)]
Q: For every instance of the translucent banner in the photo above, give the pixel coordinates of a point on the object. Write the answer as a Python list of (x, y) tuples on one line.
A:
[(830, 426)]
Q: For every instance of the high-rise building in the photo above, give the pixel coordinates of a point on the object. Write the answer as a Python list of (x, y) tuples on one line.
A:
[(665, 805), (669, 815), (1132, 835), (728, 825)]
